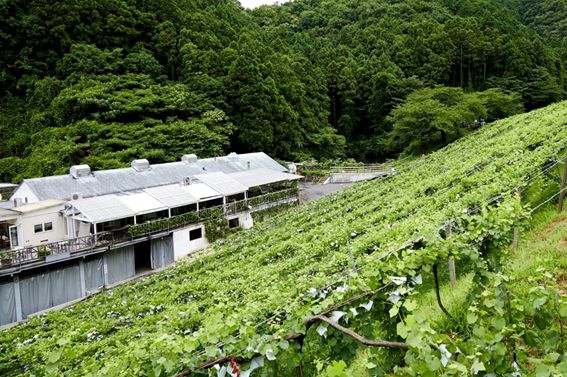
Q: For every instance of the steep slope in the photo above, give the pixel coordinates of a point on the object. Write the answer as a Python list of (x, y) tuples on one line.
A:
[(260, 285)]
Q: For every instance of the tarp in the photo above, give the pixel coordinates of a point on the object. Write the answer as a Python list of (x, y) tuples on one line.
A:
[(121, 264), (94, 274), (7, 304), (44, 291), (162, 252)]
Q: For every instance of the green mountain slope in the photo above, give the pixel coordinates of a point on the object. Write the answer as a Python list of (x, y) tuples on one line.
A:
[(105, 82), (251, 290)]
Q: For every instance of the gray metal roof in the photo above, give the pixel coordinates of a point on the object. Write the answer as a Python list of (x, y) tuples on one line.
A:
[(127, 179), (262, 176), (222, 183)]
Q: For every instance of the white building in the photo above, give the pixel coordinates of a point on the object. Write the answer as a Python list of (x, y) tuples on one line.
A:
[(82, 231)]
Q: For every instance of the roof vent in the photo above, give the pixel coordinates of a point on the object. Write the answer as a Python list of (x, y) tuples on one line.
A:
[(232, 155), (78, 171), (76, 196), (141, 165), (189, 158)]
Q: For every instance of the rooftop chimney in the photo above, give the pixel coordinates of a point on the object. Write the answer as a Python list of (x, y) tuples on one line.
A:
[(141, 165), (189, 158), (78, 171)]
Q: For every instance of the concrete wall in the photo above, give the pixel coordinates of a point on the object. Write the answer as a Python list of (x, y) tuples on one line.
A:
[(27, 221), (181, 244), (244, 219)]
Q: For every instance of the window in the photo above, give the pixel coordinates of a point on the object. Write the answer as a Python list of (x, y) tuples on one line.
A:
[(195, 234), (233, 223), (47, 226), (38, 228)]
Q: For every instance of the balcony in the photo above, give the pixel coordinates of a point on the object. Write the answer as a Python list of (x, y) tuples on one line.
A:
[(18, 259)]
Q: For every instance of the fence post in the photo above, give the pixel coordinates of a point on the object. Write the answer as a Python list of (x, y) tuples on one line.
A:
[(452, 270), (563, 186)]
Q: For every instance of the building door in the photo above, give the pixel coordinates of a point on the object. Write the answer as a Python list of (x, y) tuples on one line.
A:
[(14, 236)]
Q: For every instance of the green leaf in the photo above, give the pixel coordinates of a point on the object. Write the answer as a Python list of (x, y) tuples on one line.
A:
[(542, 370), (410, 305), (498, 323), (471, 318), (54, 357)]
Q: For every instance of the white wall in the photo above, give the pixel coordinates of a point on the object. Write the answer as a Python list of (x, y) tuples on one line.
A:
[(244, 219), (23, 191), (26, 232), (181, 244)]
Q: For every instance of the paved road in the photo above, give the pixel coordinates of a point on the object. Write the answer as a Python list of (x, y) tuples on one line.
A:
[(312, 191)]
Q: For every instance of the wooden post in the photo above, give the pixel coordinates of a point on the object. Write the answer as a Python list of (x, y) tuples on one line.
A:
[(563, 186), (452, 270)]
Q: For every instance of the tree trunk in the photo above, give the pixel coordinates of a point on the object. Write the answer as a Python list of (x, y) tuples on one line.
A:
[(443, 137), (461, 67)]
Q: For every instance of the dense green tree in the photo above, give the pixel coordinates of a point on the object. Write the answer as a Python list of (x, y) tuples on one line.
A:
[(434, 116), (307, 79)]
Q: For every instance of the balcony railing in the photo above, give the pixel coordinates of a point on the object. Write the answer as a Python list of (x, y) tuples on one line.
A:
[(17, 258)]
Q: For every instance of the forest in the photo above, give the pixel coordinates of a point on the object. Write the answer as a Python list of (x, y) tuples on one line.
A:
[(105, 82)]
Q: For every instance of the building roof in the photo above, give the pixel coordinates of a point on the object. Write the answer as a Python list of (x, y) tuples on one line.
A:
[(123, 205), (128, 179), (6, 214), (262, 176), (103, 208), (202, 191), (172, 195), (141, 202), (222, 183), (44, 204)]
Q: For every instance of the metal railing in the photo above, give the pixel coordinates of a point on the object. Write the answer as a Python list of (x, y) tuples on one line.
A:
[(18, 257), (106, 239), (379, 168)]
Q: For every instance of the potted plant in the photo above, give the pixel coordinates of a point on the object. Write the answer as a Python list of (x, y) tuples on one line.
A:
[(43, 251), (6, 258)]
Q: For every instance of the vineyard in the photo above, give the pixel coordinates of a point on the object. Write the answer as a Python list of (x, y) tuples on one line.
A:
[(308, 291)]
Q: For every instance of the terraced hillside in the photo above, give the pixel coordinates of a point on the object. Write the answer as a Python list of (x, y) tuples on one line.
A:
[(255, 294)]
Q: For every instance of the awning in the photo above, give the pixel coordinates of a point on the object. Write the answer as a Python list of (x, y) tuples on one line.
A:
[(222, 183), (172, 195), (201, 191), (262, 176), (103, 208), (141, 202)]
